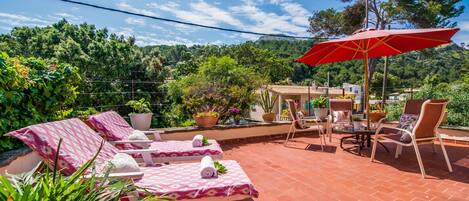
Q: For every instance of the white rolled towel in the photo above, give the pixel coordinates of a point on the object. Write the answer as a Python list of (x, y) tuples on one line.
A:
[(197, 141), (207, 167)]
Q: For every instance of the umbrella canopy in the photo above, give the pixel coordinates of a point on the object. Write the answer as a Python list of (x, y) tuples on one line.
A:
[(365, 44), (376, 43)]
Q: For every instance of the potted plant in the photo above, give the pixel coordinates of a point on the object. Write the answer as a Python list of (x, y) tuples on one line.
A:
[(320, 107), (357, 122), (235, 114), (267, 102), (376, 113), (206, 119), (141, 116)]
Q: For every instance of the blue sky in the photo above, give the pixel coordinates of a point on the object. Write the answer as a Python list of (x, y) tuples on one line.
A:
[(269, 16)]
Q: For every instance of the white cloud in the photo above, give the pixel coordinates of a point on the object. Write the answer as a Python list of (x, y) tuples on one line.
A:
[(200, 12), (15, 20), (124, 31), (249, 36), (22, 18), (299, 15), (130, 8), (268, 22), (68, 16), (135, 21)]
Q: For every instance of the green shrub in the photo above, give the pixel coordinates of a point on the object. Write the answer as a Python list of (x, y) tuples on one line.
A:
[(32, 91), (219, 84), (394, 110), (320, 102), (458, 95), (139, 106)]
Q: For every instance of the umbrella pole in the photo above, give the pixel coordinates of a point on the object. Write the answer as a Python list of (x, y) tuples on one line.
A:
[(367, 102)]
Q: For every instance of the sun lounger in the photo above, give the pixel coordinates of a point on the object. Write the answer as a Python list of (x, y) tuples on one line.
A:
[(178, 181), (116, 130)]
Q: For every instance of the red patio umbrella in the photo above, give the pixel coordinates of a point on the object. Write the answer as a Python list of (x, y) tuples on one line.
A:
[(366, 44)]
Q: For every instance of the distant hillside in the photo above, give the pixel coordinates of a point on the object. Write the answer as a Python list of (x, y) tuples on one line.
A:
[(276, 38)]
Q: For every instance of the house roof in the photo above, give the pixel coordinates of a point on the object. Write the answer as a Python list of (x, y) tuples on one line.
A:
[(303, 90)]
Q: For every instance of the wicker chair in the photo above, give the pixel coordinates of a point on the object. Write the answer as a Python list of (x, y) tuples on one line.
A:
[(424, 132)]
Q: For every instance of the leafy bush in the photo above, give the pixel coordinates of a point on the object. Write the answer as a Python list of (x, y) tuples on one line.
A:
[(33, 91), (140, 106), (320, 102), (219, 84), (84, 114), (394, 110), (458, 95)]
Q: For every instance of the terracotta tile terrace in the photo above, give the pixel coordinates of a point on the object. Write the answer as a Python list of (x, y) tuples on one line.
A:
[(301, 171)]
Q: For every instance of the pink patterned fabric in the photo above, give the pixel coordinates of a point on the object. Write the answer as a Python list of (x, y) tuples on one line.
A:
[(183, 181), (115, 128), (79, 144), (183, 148), (112, 125)]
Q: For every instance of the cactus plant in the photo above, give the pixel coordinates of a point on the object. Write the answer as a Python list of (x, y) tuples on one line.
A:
[(266, 101)]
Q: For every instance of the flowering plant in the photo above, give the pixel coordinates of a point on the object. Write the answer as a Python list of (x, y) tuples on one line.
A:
[(234, 110), (236, 114)]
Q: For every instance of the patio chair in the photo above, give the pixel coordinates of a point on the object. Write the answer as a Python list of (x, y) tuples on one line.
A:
[(344, 106), (177, 181), (298, 124), (117, 131), (424, 132)]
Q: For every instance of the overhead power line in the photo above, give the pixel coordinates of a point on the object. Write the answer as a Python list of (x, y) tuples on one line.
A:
[(188, 23)]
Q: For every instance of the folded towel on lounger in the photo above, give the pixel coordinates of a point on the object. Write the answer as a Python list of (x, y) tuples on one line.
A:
[(207, 167), (198, 141)]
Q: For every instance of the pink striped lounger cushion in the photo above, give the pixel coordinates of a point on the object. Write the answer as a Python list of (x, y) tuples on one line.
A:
[(183, 181), (115, 128), (80, 143)]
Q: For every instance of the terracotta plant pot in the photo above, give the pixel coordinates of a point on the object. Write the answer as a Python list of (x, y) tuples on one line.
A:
[(375, 116), (141, 121), (206, 122), (268, 117)]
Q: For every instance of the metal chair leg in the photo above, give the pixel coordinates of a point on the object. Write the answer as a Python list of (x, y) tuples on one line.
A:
[(419, 158), (398, 150), (288, 135), (373, 150), (450, 169)]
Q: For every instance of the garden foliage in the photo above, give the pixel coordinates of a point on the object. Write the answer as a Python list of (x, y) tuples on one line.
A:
[(220, 83), (33, 90)]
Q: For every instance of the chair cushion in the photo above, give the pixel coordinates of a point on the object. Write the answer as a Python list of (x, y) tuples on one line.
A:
[(79, 144), (341, 116), (183, 148), (183, 181), (301, 120), (407, 122), (112, 125)]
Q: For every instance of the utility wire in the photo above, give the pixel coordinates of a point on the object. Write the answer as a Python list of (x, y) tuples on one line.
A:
[(189, 23)]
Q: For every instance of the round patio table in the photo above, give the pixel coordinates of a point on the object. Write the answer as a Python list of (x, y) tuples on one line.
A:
[(361, 137)]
